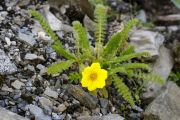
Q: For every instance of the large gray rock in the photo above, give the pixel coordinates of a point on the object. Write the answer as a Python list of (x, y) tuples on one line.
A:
[(161, 67), (83, 97), (8, 115), (106, 117), (148, 41), (6, 66), (166, 106)]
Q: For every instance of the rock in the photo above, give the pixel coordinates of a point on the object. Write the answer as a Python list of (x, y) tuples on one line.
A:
[(30, 56), (55, 24), (8, 115), (61, 108), (76, 9), (28, 39), (106, 117), (51, 93), (6, 88), (89, 24), (166, 105), (161, 67), (142, 16), (83, 97), (145, 40), (3, 15), (17, 84), (37, 112), (103, 103), (6, 66), (169, 18), (45, 102)]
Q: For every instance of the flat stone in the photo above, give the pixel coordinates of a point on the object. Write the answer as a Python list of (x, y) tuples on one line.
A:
[(169, 18), (17, 84), (45, 102), (166, 106), (147, 41), (28, 39), (37, 112), (6, 66), (30, 56), (6, 88), (61, 108), (106, 117), (83, 97), (51, 93), (8, 115), (54, 23)]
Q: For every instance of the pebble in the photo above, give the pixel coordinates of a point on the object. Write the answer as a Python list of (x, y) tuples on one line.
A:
[(6, 66), (61, 108), (17, 84), (51, 93), (6, 88), (37, 112), (28, 39), (45, 102), (30, 56)]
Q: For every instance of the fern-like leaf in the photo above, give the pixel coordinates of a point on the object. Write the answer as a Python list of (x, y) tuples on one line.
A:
[(128, 57), (82, 41), (148, 77), (57, 45), (117, 40), (59, 67), (136, 66), (123, 90), (100, 18), (128, 50), (74, 77), (117, 70)]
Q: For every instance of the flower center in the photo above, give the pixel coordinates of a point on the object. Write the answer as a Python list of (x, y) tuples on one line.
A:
[(93, 76)]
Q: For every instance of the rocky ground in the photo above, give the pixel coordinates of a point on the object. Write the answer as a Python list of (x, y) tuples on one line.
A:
[(25, 52)]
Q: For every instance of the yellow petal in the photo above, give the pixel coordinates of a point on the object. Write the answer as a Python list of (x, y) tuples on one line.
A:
[(95, 66)]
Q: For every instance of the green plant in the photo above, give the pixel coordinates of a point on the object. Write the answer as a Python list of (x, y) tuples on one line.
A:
[(118, 64), (175, 77), (176, 3)]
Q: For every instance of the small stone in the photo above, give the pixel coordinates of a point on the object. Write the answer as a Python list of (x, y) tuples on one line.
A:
[(103, 103), (30, 56), (6, 66), (106, 117), (6, 88), (17, 84), (29, 39), (8, 41), (142, 16), (37, 112), (51, 93), (54, 23), (61, 108), (82, 96), (45, 102)]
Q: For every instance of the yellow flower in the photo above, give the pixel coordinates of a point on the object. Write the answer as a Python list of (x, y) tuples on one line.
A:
[(94, 77)]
